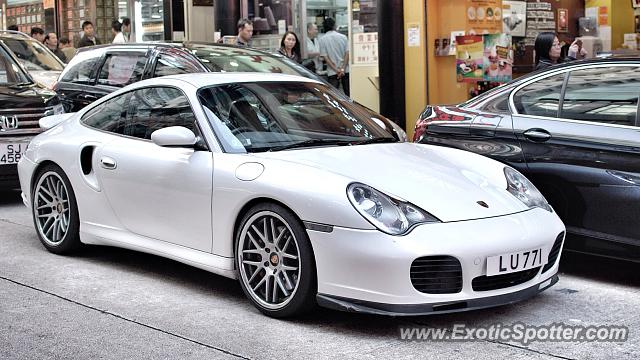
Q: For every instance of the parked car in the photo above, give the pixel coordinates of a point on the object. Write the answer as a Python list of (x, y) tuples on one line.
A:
[(36, 58), (285, 184), (22, 102), (97, 71), (572, 129)]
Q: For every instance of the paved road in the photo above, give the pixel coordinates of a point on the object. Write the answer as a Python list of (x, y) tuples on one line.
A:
[(113, 303)]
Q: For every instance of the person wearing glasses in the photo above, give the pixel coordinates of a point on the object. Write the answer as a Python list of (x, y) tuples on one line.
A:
[(548, 50)]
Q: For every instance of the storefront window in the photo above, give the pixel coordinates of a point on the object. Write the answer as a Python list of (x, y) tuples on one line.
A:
[(25, 14), (271, 19)]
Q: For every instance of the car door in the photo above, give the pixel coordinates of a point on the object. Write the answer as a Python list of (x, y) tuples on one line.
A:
[(579, 132), (76, 86), (162, 193)]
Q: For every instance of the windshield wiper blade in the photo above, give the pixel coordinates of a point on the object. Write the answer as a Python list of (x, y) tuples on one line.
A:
[(376, 141), (311, 142)]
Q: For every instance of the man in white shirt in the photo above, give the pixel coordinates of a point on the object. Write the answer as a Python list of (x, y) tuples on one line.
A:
[(334, 48), (313, 48)]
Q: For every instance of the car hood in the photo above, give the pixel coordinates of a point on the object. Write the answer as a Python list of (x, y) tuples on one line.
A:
[(44, 77), (448, 183)]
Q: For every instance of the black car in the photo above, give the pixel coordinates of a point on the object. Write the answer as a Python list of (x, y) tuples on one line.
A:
[(574, 130), (99, 70), (22, 103)]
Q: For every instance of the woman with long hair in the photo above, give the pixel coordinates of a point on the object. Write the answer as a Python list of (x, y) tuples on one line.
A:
[(548, 50), (290, 47)]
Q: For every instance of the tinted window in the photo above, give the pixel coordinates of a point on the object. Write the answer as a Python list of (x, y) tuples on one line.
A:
[(263, 116), (603, 94), (81, 67), (540, 98), (232, 59), (497, 105), (122, 69), (34, 55), (151, 109), (107, 116), (171, 65)]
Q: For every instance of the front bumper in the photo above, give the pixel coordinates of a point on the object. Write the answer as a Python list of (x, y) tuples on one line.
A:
[(366, 307), (370, 271)]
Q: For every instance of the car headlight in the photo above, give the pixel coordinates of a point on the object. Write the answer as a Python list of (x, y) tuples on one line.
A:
[(520, 187), (389, 215)]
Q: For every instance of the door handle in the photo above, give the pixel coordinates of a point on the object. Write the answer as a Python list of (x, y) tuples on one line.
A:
[(537, 135), (108, 163)]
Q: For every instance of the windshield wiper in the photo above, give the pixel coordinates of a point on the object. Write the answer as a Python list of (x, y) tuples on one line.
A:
[(311, 142), (375, 141)]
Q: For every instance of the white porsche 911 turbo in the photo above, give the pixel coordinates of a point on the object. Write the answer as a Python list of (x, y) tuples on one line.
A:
[(293, 189)]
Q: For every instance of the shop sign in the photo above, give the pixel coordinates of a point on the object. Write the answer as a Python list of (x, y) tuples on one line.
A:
[(365, 48), (484, 16)]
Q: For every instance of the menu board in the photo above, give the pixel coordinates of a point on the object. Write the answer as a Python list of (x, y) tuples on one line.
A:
[(540, 18), (484, 16)]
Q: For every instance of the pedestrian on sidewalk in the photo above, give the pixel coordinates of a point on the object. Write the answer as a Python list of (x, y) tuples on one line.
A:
[(89, 37), (290, 47), (335, 51), (116, 30)]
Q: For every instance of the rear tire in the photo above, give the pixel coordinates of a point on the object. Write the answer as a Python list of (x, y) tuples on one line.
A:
[(54, 210), (275, 262)]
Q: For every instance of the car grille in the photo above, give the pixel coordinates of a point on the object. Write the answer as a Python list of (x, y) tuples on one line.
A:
[(437, 274), (554, 253), (486, 283), (27, 121)]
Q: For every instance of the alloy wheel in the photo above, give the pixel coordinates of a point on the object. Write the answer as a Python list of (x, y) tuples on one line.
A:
[(51, 208)]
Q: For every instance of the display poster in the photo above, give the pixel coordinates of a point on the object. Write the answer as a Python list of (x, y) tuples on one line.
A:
[(514, 18), (469, 58), (484, 16), (365, 48), (498, 58)]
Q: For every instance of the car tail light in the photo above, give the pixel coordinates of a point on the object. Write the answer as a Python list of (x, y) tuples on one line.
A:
[(424, 119)]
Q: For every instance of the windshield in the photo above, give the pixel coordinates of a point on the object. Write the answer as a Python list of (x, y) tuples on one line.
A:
[(10, 72), (234, 59), (272, 116), (33, 55)]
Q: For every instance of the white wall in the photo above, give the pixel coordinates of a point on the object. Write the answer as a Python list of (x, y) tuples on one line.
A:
[(199, 22)]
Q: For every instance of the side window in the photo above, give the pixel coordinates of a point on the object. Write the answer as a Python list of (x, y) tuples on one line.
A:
[(155, 108), (81, 68), (107, 116), (172, 65), (603, 94), (122, 69), (498, 105), (541, 98)]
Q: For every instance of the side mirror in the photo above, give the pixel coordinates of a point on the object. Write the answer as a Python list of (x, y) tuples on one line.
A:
[(174, 136)]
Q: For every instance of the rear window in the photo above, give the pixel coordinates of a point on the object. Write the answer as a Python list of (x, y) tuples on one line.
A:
[(82, 67), (230, 59)]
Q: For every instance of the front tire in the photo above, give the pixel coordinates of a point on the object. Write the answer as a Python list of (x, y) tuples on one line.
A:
[(275, 261), (55, 212)]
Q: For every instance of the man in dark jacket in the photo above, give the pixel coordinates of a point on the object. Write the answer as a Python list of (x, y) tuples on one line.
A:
[(51, 41), (89, 38)]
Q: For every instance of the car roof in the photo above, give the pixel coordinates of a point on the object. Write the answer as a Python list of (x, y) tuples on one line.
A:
[(15, 35), (174, 45), (199, 80)]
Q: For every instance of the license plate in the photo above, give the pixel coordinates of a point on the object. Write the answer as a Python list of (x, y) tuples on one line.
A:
[(11, 153), (517, 261)]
